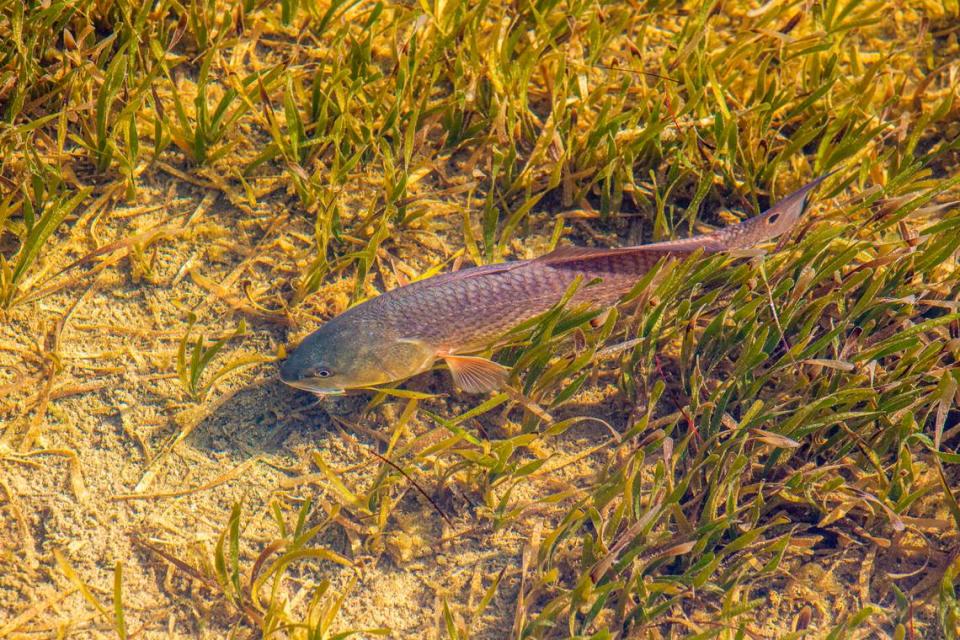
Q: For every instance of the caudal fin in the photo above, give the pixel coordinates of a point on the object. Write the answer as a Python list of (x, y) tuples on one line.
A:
[(777, 220)]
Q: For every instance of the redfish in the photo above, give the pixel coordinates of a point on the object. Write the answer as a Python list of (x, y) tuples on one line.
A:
[(404, 331)]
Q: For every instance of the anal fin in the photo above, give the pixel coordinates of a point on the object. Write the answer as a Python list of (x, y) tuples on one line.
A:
[(476, 375)]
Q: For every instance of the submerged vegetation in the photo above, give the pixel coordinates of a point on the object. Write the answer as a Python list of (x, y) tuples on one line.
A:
[(749, 447)]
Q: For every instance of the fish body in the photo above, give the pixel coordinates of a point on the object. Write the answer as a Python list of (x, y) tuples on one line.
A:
[(404, 331)]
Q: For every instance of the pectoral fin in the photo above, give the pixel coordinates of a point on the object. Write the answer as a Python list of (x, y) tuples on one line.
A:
[(476, 375)]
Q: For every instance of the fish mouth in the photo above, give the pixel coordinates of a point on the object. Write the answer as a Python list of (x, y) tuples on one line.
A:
[(313, 387)]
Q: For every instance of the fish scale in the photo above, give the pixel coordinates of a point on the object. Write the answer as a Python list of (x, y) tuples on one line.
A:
[(403, 331), (468, 310)]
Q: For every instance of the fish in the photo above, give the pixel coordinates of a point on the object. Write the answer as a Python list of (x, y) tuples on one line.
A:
[(455, 315)]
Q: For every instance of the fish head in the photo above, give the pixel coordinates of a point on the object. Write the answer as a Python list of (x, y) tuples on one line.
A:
[(338, 357)]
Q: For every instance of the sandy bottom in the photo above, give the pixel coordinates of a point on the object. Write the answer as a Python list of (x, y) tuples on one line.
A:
[(105, 459)]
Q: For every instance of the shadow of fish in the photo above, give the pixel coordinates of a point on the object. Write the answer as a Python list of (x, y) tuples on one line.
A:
[(404, 331)]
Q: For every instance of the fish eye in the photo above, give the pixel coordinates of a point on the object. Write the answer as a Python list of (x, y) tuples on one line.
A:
[(322, 373)]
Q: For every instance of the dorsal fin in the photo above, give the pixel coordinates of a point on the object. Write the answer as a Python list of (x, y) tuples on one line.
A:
[(574, 254), (469, 273), (485, 270), (568, 254)]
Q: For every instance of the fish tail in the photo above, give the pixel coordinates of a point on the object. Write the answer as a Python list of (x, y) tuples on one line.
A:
[(777, 220)]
